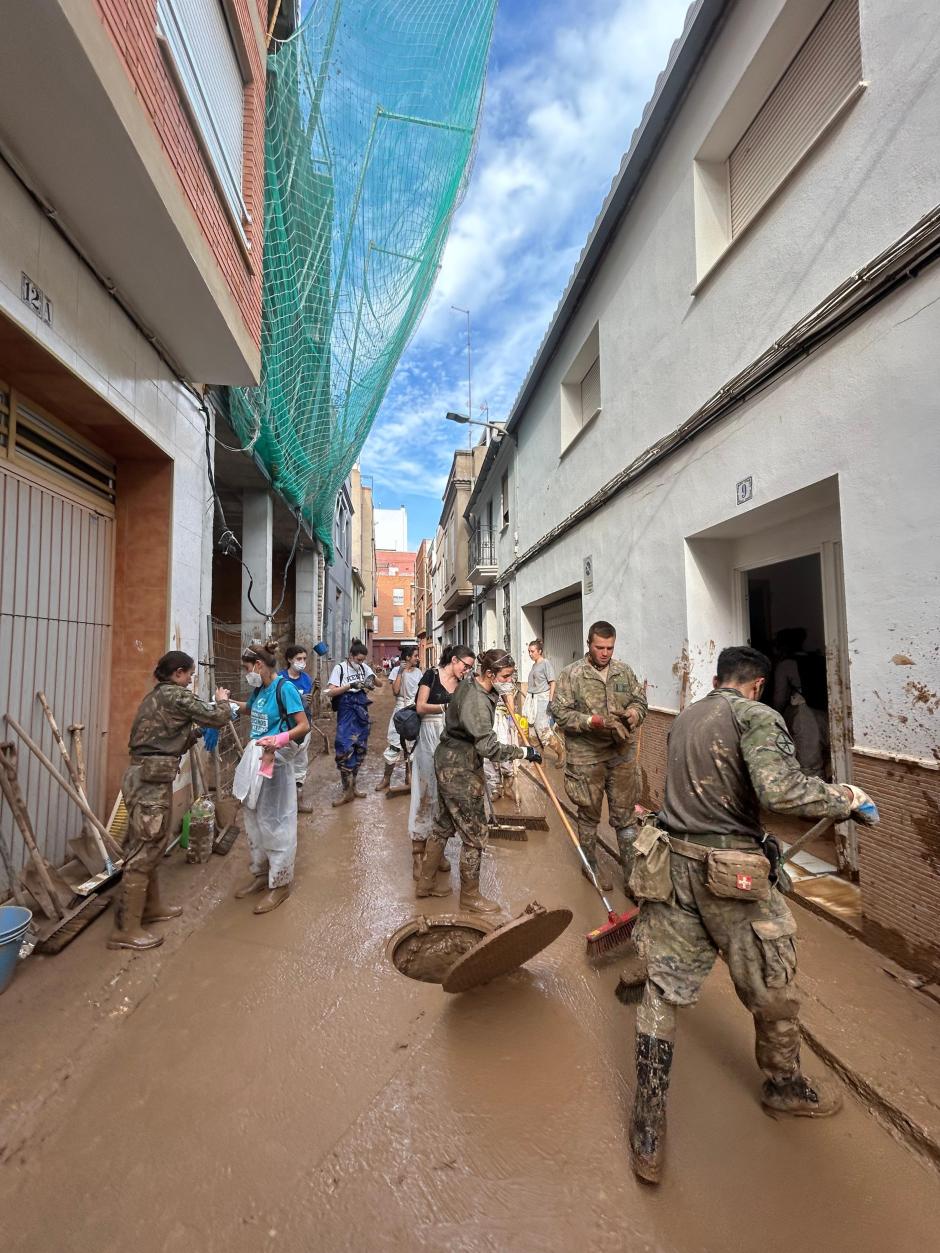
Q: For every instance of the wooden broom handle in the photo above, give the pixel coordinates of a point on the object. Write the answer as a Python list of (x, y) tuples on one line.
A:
[(548, 787)]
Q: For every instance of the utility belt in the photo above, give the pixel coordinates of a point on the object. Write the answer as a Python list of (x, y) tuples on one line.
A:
[(730, 873), (156, 767)]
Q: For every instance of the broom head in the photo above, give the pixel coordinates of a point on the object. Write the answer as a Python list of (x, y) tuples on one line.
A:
[(615, 932), (507, 831)]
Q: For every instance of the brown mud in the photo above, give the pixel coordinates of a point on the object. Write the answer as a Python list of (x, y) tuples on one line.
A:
[(280, 1086)]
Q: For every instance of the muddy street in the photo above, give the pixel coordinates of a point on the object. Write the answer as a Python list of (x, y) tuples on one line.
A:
[(282, 1086)]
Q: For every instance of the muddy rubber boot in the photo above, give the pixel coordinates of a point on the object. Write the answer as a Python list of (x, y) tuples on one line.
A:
[(349, 793), (154, 908), (559, 750), (303, 807), (603, 878), (386, 780), (257, 883), (357, 790), (417, 852), (802, 1097), (471, 898), (428, 882), (275, 897), (128, 913), (648, 1122)]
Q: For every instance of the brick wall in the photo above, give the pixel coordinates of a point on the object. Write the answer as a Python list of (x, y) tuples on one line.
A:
[(899, 862), (131, 25)]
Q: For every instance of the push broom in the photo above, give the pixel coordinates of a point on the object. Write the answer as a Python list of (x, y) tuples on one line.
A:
[(617, 929)]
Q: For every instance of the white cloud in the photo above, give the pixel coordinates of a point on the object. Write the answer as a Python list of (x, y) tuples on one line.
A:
[(562, 103)]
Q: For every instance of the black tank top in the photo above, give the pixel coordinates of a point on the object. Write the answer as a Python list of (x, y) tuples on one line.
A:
[(437, 692)]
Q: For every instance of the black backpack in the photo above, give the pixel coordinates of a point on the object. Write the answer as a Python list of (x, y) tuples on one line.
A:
[(407, 723)]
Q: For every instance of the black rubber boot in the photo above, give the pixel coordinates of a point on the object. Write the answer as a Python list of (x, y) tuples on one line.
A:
[(802, 1097), (648, 1124)]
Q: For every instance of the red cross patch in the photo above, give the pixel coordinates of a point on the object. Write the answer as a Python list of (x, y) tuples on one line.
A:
[(745, 883)]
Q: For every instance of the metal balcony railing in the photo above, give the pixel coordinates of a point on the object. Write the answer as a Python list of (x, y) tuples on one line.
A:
[(483, 549)]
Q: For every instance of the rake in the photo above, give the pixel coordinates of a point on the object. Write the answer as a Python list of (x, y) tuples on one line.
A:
[(616, 931)]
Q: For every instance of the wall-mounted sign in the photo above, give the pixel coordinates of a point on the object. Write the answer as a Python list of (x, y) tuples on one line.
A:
[(36, 298), (588, 583), (744, 490)]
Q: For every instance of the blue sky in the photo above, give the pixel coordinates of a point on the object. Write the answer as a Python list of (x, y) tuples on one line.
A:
[(567, 85)]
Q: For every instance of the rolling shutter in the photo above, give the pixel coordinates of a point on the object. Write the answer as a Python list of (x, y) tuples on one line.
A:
[(563, 632), (206, 65), (813, 89), (591, 391)]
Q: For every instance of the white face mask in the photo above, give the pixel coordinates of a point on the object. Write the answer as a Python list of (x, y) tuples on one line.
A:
[(298, 665), (503, 687), (253, 678)]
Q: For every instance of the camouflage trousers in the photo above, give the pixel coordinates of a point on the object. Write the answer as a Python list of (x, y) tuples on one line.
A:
[(680, 941), (148, 820), (586, 785), (460, 811)]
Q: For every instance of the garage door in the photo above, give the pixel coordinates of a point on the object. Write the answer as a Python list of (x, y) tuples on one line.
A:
[(563, 632), (55, 628)]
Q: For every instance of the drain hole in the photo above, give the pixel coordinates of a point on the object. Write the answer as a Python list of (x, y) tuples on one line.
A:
[(426, 948)]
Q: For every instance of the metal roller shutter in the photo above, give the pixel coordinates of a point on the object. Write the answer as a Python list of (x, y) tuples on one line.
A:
[(813, 89), (55, 633), (563, 632)]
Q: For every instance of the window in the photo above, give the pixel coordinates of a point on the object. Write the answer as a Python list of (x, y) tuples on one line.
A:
[(581, 389), (398, 596), (504, 498), (398, 626), (198, 45), (797, 86)]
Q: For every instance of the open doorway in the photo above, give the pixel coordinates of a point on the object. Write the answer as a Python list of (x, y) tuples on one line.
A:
[(785, 607)]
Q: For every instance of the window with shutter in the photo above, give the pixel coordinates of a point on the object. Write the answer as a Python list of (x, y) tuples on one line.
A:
[(819, 81), (591, 391), (199, 45)]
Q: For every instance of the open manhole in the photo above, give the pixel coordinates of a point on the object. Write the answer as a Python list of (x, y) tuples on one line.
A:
[(461, 951)]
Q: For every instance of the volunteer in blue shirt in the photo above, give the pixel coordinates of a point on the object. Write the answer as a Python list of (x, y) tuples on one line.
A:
[(278, 723), (296, 673)]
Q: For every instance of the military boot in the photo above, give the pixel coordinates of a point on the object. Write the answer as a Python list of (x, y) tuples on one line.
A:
[(128, 913), (648, 1122), (349, 793), (386, 780), (471, 898), (154, 908), (357, 790), (626, 837), (603, 878), (428, 883), (802, 1097)]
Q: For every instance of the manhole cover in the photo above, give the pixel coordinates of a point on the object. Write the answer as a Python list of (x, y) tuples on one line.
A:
[(426, 948), (507, 947)]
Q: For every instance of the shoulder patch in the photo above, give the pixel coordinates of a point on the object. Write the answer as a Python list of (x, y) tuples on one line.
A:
[(785, 744)]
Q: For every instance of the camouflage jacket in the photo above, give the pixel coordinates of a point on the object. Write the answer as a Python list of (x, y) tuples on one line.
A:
[(728, 757), (469, 735), (580, 693), (164, 722)]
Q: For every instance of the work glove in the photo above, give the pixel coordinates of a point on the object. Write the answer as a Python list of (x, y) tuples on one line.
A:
[(600, 722), (533, 754), (864, 808), (210, 739)]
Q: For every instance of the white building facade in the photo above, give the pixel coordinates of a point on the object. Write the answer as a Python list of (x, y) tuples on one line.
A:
[(730, 428)]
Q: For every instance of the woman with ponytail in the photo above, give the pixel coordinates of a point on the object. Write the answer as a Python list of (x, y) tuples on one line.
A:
[(468, 740)]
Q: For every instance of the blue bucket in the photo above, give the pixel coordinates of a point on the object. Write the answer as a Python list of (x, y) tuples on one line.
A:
[(321, 649), (14, 922)]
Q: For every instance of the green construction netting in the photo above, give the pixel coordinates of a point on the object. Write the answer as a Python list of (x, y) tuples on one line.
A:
[(372, 115)]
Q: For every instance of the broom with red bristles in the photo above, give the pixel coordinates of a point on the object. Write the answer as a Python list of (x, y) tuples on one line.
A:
[(618, 927)]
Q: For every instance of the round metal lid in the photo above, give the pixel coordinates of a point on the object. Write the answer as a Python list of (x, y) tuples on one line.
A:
[(508, 947)]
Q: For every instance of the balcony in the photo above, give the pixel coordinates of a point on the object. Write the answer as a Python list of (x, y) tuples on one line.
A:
[(483, 564)]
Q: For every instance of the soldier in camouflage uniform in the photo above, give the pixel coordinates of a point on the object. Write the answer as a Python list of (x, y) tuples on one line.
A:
[(598, 705), (729, 755), (467, 741), (162, 731)]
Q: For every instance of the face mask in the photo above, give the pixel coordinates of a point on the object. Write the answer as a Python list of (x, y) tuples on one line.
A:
[(253, 678), (298, 666), (503, 687)]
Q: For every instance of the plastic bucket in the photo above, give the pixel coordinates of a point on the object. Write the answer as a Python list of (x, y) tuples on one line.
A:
[(321, 649), (13, 924)]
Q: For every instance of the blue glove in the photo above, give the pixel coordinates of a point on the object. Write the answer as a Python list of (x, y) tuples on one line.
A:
[(210, 739), (863, 807)]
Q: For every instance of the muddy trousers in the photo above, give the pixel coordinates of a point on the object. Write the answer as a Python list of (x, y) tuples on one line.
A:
[(148, 832), (680, 941), (460, 811), (587, 784)]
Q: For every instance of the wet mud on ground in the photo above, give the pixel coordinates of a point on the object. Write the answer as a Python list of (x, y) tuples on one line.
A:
[(283, 1087)]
